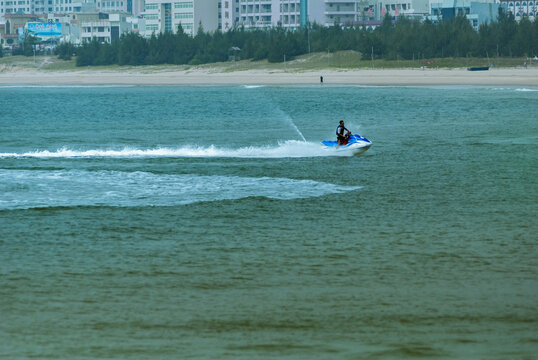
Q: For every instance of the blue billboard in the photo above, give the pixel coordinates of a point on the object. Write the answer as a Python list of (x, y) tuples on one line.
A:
[(45, 29)]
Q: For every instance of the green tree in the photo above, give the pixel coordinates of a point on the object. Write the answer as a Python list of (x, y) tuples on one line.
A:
[(521, 44), (404, 38), (65, 50), (107, 54), (87, 53), (133, 49), (184, 48), (506, 32), (533, 38), (28, 44), (277, 45)]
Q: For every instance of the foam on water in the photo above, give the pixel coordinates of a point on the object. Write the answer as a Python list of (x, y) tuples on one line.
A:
[(526, 90), (287, 149), (514, 89), (23, 189)]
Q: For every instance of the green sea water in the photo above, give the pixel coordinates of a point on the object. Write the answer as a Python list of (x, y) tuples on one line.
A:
[(209, 223)]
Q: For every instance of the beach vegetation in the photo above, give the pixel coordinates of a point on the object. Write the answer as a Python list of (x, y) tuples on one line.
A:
[(65, 50), (401, 40), (26, 47)]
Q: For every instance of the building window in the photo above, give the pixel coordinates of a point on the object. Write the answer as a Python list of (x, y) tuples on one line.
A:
[(183, 5), (183, 15)]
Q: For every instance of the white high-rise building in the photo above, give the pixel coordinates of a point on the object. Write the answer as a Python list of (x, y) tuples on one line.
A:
[(259, 13), (352, 12), (271, 13), (297, 13), (19, 6), (38, 7), (396, 8), (137, 7), (521, 8), (113, 6), (229, 14), (166, 15), (342, 12)]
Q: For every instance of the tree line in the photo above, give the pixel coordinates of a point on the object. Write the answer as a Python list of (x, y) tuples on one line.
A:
[(401, 39)]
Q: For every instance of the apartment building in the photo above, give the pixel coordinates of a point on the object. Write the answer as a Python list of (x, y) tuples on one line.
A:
[(18, 7), (166, 15), (478, 12), (104, 27), (296, 13), (521, 8), (68, 6), (114, 6), (343, 12), (228, 14), (40, 6), (287, 13), (408, 8), (258, 13)]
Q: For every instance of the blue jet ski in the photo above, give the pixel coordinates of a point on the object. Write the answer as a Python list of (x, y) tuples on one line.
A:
[(355, 145)]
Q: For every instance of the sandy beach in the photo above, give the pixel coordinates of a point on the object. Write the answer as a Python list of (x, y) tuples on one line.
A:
[(380, 77)]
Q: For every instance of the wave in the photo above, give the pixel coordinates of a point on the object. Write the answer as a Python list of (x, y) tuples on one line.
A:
[(25, 189), (526, 90), (514, 89), (290, 148)]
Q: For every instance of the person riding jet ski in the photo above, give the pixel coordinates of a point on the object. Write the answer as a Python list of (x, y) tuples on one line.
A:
[(340, 137)]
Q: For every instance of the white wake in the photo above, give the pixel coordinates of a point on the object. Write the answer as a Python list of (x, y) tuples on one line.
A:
[(287, 149), (23, 189)]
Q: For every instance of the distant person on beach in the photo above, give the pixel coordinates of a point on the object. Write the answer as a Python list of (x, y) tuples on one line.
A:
[(321, 80), (340, 137)]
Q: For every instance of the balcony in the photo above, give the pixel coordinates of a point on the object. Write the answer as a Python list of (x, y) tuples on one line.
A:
[(341, 12), (340, 2)]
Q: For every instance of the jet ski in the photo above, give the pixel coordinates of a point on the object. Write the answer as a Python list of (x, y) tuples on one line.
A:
[(354, 145)]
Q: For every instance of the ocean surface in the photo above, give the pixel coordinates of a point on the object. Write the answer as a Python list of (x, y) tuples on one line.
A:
[(207, 222)]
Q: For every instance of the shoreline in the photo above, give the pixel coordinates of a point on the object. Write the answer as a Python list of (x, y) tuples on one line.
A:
[(367, 77)]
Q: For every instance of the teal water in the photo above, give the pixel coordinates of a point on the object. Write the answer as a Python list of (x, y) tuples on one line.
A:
[(195, 222)]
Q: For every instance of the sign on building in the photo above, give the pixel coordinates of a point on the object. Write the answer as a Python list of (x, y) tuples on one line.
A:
[(45, 29)]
